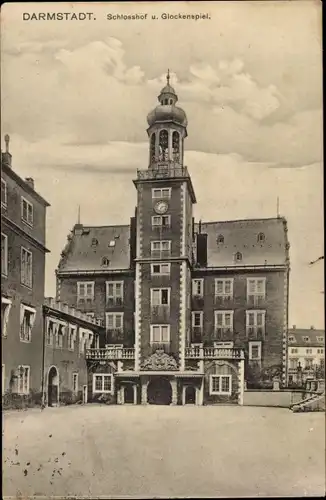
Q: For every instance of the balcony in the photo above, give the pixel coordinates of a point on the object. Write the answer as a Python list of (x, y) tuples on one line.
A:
[(197, 352), (109, 353), (165, 170)]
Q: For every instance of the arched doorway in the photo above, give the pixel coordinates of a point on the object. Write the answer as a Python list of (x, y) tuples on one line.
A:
[(159, 391), (53, 386), (190, 395), (129, 394)]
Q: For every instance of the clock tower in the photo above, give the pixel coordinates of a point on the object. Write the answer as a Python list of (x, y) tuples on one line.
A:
[(164, 222)]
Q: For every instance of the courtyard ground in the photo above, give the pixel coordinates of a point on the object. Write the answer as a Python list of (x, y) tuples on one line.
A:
[(163, 451)]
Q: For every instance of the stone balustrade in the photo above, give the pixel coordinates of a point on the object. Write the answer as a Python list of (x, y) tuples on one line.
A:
[(109, 353), (56, 305), (198, 352)]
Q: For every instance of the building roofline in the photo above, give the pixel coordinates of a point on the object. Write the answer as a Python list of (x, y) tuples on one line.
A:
[(11, 173), (242, 220)]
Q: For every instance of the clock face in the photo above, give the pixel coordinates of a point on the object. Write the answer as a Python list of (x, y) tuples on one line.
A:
[(161, 207)]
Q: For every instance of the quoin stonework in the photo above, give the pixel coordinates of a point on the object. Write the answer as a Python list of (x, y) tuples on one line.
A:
[(162, 310)]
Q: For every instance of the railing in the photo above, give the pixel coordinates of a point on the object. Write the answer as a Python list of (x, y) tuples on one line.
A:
[(164, 171), (110, 353), (197, 352)]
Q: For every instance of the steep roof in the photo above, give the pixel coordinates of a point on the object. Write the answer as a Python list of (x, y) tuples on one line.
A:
[(270, 248), (304, 337), (87, 246)]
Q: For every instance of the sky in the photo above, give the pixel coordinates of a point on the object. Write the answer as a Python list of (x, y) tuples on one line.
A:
[(75, 96)]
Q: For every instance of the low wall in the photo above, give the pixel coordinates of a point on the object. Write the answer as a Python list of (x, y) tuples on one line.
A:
[(282, 399)]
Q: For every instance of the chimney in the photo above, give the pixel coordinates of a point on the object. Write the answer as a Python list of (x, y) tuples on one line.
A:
[(294, 327), (202, 249), (30, 182), (6, 156), (312, 328), (78, 229)]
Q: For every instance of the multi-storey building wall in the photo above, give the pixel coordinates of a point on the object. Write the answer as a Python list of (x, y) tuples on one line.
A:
[(306, 355), (207, 303), (67, 334), (23, 216)]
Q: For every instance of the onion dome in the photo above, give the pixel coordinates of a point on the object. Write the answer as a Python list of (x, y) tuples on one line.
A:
[(167, 110)]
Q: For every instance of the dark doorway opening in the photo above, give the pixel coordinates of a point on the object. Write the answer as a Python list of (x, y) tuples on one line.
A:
[(190, 396), (53, 387), (129, 393), (159, 391)]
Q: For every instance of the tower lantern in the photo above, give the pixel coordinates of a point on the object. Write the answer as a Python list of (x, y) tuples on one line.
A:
[(167, 130)]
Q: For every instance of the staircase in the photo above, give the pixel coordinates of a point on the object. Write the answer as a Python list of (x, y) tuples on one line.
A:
[(313, 403)]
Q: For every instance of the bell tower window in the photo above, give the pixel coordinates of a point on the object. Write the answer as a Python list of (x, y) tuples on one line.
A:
[(163, 145), (176, 146), (152, 148)]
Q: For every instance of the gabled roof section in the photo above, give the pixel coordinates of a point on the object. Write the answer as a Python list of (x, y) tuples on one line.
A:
[(100, 248), (258, 242), (304, 337)]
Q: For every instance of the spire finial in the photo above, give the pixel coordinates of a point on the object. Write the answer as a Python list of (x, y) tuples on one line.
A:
[(7, 140), (78, 217), (168, 77)]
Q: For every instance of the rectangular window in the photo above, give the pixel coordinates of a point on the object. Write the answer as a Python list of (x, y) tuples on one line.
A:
[(27, 318), (197, 319), (256, 291), (72, 335), (5, 310), (85, 292), (293, 363), (75, 383), (114, 293), (220, 384), (160, 269), (160, 297), (291, 338), (224, 288), (161, 221), (51, 331), (160, 334), (197, 287), (308, 351), (308, 363), (159, 193), (160, 248), (320, 339), (254, 351), (114, 322), (255, 324), (4, 254), (3, 193), (294, 351), (26, 211), (26, 267), (60, 334), (306, 339), (103, 382), (23, 379), (223, 323)]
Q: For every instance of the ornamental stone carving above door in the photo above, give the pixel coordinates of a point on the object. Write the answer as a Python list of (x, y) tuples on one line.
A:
[(159, 361)]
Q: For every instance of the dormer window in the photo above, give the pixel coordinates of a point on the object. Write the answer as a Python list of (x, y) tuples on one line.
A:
[(291, 338), (261, 238), (238, 256), (105, 261), (94, 242), (112, 243), (220, 239), (306, 339)]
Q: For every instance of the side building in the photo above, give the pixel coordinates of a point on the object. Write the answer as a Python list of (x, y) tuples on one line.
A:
[(23, 251), (306, 355), (191, 310)]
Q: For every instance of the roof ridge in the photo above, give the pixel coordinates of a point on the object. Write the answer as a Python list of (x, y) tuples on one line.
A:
[(242, 220)]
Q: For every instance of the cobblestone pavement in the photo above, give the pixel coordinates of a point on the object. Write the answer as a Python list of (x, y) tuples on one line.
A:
[(163, 451)]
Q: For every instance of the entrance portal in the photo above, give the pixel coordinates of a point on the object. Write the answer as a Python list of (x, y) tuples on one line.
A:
[(159, 391), (53, 387), (129, 394), (190, 396)]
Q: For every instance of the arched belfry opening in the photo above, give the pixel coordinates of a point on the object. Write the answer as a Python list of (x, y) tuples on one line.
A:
[(167, 130)]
